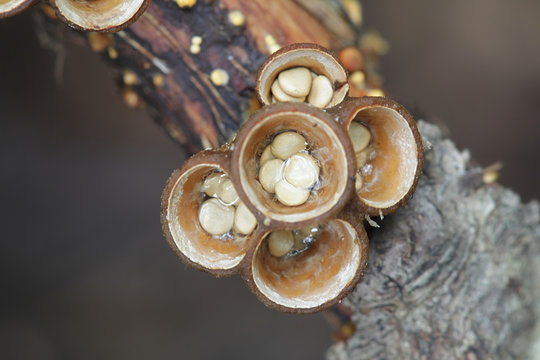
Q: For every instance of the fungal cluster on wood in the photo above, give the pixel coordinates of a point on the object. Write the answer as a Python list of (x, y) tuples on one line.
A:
[(86, 15), (283, 204)]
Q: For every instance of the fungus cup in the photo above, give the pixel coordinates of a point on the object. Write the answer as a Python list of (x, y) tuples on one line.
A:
[(99, 15), (302, 59), (182, 198), (306, 246), (327, 142), (13, 7), (392, 168), (86, 15), (314, 279)]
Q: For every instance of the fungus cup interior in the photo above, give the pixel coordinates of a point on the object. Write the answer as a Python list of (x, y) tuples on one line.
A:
[(10, 7), (324, 145), (313, 277), (189, 237), (317, 60), (98, 14), (393, 168)]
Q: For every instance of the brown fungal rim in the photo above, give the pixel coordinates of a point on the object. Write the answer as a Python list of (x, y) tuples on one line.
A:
[(348, 110), (363, 242), (99, 27), (341, 88), (241, 178), (211, 158), (18, 8)]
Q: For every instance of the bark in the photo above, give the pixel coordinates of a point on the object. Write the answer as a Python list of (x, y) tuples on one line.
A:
[(451, 275), (194, 110), (174, 82)]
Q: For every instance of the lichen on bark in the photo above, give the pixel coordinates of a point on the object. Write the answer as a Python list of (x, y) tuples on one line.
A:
[(453, 275)]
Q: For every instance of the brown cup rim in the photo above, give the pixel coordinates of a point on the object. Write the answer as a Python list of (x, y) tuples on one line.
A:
[(18, 8), (363, 243), (237, 148), (347, 111), (212, 158), (105, 29), (342, 87)]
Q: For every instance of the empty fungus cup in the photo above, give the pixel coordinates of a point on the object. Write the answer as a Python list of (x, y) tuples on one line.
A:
[(316, 278), (391, 171), (181, 201), (13, 7), (327, 142), (100, 15)]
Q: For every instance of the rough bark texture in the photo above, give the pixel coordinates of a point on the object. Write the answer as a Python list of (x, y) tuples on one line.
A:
[(451, 276), (194, 110), (454, 274), (174, 81)]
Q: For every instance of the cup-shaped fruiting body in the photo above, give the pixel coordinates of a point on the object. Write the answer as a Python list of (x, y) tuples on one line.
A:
[(13, 7), (310, 158), (284, 204), (302, 73), (388, 151), (313, 278), (202, 218), (99, 15)]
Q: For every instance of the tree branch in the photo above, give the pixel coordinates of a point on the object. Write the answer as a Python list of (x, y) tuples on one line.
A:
[(175, 80)]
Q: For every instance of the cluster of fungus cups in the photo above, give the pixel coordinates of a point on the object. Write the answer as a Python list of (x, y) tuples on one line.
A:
[(284, 204), (86, 15)]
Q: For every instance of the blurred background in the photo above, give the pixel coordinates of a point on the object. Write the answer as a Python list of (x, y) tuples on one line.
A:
[(85, 271)]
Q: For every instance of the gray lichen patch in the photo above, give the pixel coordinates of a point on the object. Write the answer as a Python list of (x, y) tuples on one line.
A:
[(451, 275)]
